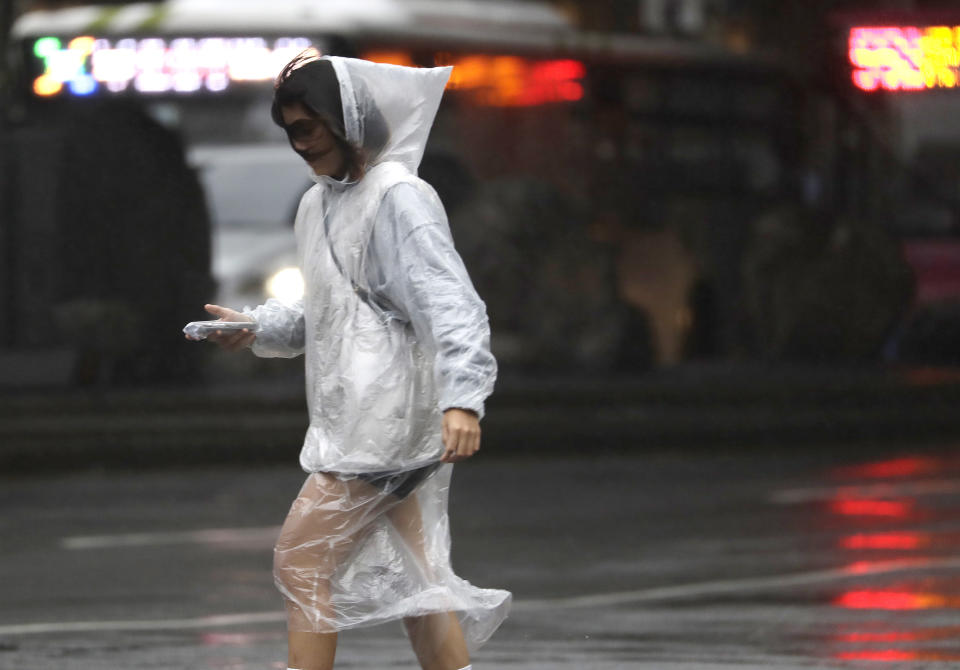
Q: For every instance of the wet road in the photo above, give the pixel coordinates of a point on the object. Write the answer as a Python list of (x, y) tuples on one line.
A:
[(817, 557)]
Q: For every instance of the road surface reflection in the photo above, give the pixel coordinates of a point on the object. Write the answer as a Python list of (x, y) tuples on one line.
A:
[(902, 509)]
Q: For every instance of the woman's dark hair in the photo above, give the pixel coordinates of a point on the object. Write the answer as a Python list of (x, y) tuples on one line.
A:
[(312, 82)]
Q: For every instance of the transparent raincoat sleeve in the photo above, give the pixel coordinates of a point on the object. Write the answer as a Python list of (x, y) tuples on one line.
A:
[(417, 269), (280, 329)]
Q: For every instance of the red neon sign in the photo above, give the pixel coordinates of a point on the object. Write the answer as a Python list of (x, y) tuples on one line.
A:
[(504, 81), (905, 58)]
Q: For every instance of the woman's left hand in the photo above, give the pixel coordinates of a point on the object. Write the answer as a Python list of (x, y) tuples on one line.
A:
[(461, 435)]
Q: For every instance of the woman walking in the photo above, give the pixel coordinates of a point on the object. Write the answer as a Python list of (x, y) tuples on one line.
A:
[(398, 367)]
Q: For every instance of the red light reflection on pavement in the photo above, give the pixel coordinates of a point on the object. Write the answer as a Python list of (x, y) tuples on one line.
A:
[(939, 633), (873, 567), (902, 640), (878, 655), (900, 493), (908, 466), (893, 600), (896, 655), (898, 509), (903, 541)]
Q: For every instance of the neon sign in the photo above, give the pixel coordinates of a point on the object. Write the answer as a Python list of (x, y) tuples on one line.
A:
[(504, 81), (86, 65), (905, 58)]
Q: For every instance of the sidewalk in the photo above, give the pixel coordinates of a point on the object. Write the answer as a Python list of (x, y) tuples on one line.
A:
[(694, 406)]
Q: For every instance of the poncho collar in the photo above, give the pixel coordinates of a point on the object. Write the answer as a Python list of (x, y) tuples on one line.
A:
[(332, 183)]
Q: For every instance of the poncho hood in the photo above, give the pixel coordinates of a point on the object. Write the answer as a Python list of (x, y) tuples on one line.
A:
[(389, 109)]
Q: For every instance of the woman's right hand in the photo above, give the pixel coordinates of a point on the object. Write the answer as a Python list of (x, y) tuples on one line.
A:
[(230, 340)]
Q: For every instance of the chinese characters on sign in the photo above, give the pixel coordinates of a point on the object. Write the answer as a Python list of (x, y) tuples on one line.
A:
[(85, 65), (504, 80), (905, 58)]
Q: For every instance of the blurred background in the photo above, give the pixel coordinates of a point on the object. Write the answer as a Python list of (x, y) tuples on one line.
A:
[(697, 220), (719, 243)]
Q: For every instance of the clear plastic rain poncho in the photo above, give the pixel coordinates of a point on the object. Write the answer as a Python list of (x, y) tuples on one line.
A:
[(393, 334)]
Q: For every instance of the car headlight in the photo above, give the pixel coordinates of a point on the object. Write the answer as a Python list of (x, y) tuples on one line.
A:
[(285, 285)]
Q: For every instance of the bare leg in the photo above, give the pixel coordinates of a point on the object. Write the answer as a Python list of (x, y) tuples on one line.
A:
[(311, 651), (325, 522), (437, 639)]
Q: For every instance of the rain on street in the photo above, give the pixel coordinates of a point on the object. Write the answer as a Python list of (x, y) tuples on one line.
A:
[(821, 556)]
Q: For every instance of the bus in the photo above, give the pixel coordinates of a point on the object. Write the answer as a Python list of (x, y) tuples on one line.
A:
[(601, 188)]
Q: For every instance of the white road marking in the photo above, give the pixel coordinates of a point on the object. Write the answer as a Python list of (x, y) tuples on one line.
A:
[(664, 593), (935, 487), (748, 584), (149, 624), (265, 535)]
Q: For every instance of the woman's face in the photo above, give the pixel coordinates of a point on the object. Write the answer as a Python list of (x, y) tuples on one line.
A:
[(310, 137)]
